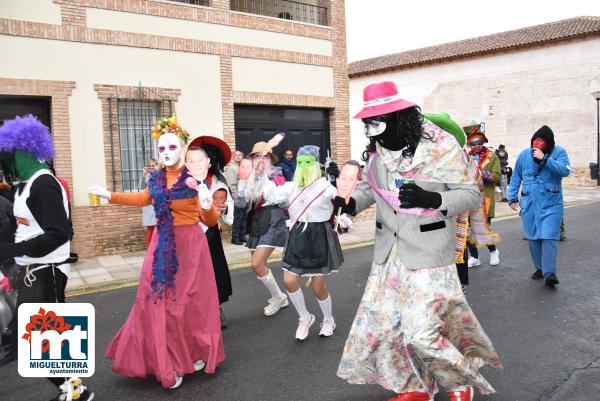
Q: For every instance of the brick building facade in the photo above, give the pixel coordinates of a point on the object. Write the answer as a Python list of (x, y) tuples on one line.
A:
[(106, 68)]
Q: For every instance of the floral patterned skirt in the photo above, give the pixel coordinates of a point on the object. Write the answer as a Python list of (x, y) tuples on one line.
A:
[(414, 330)]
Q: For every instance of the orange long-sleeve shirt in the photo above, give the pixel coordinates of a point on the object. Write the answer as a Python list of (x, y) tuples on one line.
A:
[(185, 211)]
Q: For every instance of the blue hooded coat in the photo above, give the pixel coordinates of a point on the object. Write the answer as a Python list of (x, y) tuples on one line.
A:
[(541, 189)]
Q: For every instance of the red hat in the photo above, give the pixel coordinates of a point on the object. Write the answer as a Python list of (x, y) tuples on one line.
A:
[(214, 141), (382, 98)]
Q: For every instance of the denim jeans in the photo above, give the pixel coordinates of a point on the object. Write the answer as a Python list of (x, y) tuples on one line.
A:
[(504, 186), (544, 253), (238, 229)]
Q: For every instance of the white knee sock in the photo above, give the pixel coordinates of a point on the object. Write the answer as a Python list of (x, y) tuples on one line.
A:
[(298, 301), (326, 308), (271, 284)]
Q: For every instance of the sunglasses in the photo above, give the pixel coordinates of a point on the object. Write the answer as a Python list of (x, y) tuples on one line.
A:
[(475, 143)]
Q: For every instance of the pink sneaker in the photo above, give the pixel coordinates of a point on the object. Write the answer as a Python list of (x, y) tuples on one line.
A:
[(327, 328), (303, 326)]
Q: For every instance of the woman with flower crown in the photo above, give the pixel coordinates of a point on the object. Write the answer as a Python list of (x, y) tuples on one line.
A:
[(173, 328)]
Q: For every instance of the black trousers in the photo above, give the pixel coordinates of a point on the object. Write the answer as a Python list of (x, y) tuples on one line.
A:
[(238, 229), (463, 269), (49, 286)]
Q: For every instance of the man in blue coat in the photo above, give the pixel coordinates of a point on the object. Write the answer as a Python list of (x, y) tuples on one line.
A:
[(288, 165), (539, 171)]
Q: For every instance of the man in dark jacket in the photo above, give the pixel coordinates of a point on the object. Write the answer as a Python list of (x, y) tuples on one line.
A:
[(42, 238), (288, 165)]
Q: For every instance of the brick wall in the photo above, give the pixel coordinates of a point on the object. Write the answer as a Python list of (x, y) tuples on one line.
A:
[(72, 15), (339, 116)]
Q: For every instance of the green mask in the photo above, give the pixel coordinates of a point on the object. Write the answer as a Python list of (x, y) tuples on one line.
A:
[(27, 165), (305, 161), (305, 170)]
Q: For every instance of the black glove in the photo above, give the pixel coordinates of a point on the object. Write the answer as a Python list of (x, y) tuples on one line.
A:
[(411, 195), (333, 170), (340, 203), (7, 250)]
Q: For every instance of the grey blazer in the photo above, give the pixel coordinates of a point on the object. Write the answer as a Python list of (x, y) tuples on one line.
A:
[(423, 241)]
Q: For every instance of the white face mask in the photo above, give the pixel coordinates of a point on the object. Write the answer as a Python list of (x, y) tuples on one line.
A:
[(375, 129), (169, 149)]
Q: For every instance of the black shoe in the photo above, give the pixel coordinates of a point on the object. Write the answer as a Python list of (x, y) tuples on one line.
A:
[(73, 258), (236, 241), (223, 320), (538, 275), (551, 281)]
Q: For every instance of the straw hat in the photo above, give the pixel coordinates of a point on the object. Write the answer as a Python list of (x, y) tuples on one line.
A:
[(260, 147)]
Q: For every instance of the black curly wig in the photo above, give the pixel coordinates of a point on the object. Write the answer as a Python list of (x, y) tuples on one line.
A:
[(409, 124)]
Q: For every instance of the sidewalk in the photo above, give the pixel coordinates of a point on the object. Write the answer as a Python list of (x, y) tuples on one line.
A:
[(114, 271)]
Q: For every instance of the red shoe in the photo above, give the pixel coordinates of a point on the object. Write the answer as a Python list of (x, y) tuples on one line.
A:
[(465, 395), (412, 396)]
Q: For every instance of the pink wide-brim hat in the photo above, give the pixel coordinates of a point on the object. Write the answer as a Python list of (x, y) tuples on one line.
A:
[(382, 98)]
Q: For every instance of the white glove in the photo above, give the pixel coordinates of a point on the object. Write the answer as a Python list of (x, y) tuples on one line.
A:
[(99, 191), (345, 222), (205, 196)]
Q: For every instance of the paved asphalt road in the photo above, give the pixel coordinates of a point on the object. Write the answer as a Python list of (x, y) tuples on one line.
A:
[(549, 340)]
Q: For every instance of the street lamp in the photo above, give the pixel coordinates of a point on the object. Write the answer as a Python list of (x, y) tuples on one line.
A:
[(596, 96)]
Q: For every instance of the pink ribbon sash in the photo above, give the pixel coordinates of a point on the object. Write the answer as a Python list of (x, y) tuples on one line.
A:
[(304, 199), (391, 197)]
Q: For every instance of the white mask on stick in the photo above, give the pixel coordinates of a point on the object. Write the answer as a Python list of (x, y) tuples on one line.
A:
[(169, 149)]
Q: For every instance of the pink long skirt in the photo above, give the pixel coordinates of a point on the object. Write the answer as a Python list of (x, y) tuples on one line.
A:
[(165, 337)]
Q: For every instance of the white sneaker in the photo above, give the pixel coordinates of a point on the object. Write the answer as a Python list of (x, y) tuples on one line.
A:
[(473, 262), (327, 328), (178, 381), (199, 365), (495, 258), (276, 304), (303, 326)]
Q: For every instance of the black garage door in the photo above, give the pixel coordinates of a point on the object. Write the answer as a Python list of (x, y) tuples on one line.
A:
[(302, 127), (11, 106)]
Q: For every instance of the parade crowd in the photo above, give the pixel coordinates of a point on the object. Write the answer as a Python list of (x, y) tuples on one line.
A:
[(434, 184)]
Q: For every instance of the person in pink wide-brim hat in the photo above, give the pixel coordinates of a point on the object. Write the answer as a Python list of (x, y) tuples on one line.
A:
[(382, 98), (414, 331)]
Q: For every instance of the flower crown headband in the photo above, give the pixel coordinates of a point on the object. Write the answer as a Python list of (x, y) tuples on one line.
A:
[(164, 125)]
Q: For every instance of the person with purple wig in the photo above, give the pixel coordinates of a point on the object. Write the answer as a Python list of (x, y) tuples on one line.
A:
[(42, 239)]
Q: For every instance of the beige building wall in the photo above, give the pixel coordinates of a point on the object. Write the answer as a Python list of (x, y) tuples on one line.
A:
[(31, 10), (514, 93), (149, 24), (252, 75), (197, 75)]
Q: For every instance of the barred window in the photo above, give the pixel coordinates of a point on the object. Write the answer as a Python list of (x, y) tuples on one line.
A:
[(135, 119)]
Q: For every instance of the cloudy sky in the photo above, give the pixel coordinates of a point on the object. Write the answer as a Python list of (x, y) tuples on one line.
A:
[(378, 27)]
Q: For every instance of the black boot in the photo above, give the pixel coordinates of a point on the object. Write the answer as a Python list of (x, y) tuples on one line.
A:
[(552, 280), (538, 275)]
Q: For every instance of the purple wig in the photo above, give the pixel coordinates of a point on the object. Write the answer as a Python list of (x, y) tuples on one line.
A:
[(27, 134)]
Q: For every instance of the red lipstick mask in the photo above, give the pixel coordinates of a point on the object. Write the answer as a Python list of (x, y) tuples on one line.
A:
[(539, 143)]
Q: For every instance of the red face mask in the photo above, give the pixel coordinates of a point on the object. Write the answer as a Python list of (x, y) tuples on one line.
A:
[(538, 143)]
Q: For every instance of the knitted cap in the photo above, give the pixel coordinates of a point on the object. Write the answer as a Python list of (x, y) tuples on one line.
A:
[(309, 150)]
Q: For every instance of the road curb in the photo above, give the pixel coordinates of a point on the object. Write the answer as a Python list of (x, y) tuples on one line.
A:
[(133, 281)]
